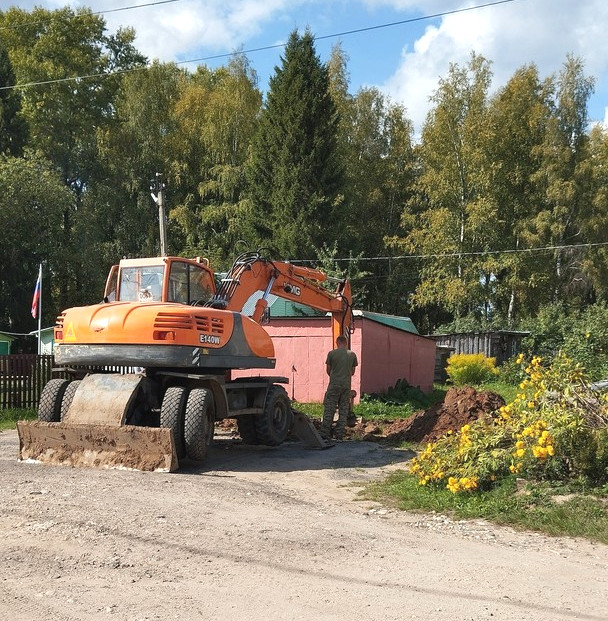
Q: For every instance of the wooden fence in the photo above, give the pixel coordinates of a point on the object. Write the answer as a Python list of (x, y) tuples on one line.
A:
[(23, 376), (499, 344)]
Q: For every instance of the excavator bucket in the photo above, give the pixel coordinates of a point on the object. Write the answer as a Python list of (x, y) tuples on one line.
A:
[(307, 432), (93, 433)]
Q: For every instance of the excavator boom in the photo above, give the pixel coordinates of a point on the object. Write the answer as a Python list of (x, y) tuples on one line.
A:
[(304, 285)]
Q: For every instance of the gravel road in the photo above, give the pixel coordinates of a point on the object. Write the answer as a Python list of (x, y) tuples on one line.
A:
[(269, 534)]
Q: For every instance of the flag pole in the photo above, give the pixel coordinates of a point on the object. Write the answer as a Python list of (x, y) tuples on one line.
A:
[(40, 309)]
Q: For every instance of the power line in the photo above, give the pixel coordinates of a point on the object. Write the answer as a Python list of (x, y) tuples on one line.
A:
[(259, 49), (415, 19), (87, 14), (448, 255)]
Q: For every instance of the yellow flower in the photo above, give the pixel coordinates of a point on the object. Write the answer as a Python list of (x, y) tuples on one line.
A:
[(550, 450)]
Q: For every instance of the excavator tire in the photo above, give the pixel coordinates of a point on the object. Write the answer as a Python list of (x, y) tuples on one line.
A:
[(49, 407), (172, 413), (68, 397), (273, 424), (198, 423), (246, 427)]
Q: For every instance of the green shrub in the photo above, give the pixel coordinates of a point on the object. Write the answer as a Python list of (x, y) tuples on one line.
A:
[(581, 335), (471, 369), (511, 372)]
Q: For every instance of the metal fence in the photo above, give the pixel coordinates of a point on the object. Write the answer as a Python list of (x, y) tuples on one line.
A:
[(23, 376)]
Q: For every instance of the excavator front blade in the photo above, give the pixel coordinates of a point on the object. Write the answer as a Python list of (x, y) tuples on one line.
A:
[(93, 432), (98, 446)]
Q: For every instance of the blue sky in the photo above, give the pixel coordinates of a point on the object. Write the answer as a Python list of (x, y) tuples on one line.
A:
[(405, 61)]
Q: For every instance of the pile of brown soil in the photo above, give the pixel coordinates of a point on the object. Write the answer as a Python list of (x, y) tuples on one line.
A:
[(461, 406)]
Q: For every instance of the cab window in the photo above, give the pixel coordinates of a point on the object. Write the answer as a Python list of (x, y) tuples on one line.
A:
[(141, 284), (189, 284)]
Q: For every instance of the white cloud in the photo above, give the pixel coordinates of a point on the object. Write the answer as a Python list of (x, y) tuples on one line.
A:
[(511, 35), (182, 29), (179, 30)]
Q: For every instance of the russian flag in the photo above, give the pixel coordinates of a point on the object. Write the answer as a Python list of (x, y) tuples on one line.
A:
[(36, 298)]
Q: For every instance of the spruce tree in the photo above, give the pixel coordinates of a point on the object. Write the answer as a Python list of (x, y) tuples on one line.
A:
[(12, 125), (294, 175)]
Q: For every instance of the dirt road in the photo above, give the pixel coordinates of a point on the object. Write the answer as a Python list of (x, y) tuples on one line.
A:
[(269, 534)]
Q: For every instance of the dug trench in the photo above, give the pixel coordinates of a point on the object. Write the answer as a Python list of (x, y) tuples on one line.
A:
[(275, 534)]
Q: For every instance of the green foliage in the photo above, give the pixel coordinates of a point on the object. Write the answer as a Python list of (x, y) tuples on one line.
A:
[(582, 335), (511, 373), (587, 341), (507, 391), (31, 206), (471, 369), (399, 401), (13, 129)]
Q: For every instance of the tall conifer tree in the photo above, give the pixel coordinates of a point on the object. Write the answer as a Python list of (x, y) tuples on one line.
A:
[(13, 129), (295, 177)]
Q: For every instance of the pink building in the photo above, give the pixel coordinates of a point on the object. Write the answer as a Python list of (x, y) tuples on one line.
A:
[(388, 349)]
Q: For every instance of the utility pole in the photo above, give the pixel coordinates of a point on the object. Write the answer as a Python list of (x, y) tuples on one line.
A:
[(157, 185)]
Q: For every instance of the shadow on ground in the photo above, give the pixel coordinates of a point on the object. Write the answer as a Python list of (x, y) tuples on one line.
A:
[(230, 455)]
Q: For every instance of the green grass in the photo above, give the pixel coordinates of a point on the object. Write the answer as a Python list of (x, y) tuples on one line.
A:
[(398, 402), (506, 391), (531, 508), (8, 418)]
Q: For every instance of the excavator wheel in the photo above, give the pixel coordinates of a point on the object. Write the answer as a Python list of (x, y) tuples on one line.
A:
[(68, 397), (198, 423), (172, 414), (49, 407), (273, 424), (246, 426)]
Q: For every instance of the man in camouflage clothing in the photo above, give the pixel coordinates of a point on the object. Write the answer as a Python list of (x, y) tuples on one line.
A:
[(340, 366)]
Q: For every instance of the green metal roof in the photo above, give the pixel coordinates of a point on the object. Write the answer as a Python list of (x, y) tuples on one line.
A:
[(286, 308), (404, 324), (280, 307)]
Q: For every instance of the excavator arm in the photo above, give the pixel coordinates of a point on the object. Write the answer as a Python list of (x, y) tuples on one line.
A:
[(251, 272)]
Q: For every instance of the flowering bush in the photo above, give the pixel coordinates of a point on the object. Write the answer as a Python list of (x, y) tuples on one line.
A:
[(471, 369), (556, 428)]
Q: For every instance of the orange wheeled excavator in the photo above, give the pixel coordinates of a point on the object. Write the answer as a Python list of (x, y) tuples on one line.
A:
[(181, 335)]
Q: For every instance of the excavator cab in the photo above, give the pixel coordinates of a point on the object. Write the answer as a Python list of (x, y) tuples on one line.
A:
[(165, 279)]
